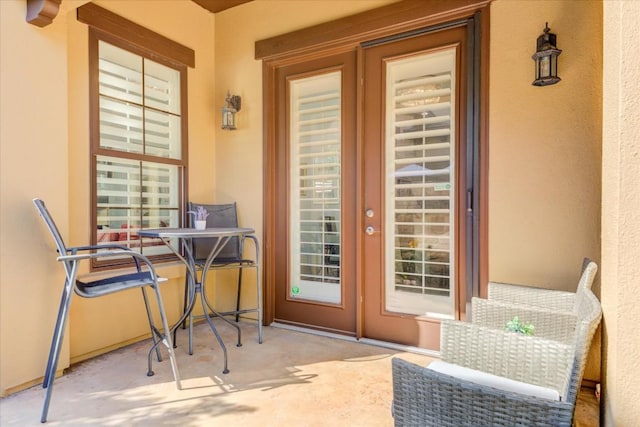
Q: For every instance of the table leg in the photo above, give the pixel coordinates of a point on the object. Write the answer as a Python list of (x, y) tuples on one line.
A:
[(214, 313), (188, 311), (215, 332)]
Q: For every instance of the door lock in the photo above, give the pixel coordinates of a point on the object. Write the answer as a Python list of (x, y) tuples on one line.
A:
[(370, 230)]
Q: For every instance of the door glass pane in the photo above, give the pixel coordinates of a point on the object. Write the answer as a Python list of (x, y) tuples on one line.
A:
[(315, 147), (420, 185)]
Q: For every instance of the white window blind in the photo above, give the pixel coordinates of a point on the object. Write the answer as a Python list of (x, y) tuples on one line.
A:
[(315, 156), (420, 183)]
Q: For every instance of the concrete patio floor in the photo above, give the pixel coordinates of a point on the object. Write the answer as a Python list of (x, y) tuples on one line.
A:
[(292, 379)]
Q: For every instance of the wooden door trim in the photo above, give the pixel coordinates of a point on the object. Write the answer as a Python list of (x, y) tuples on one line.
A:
[(372, 24), (343, 35)]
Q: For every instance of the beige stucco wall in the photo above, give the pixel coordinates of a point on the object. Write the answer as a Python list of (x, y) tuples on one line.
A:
[(33, 162), (621, 213), (545, 143)]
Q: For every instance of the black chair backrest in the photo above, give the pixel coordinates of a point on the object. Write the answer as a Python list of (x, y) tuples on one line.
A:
[(220, 216)]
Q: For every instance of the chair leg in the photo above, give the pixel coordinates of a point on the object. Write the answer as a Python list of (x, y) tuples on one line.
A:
[(56, 343), (152, 326), (165, 339), (56, 331), (238, 296)]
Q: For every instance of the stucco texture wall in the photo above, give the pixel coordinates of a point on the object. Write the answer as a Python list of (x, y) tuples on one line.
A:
[(545, 148), (544, 142), (33, 162), (621, 213)]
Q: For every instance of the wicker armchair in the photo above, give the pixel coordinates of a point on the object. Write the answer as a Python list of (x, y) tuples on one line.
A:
[(544, 298), (425, 397), (557, 323)]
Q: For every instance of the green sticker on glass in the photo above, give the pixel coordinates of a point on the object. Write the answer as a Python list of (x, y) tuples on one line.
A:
[(444, 186), (295, 290)]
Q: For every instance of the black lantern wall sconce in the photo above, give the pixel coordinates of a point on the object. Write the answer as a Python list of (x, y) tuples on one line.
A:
[(546, 59), (232, 105)]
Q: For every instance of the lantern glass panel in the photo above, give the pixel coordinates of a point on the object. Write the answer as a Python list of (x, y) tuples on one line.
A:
[(554, 65), (228, 118), (545, 66)]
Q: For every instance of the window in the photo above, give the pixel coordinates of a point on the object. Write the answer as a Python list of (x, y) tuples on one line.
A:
[(138, 144)]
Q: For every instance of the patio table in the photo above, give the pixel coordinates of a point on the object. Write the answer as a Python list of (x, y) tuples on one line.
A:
[(176, 238)]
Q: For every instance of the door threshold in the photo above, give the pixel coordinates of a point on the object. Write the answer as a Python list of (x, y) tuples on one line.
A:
[(313, 331), (369, 341), (401, 347)]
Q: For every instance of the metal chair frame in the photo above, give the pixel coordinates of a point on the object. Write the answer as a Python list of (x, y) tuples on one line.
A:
[(229, 257), (70, 257)]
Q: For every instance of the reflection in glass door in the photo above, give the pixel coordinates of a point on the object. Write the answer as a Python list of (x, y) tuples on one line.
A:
[(420, 185), (315, 166)]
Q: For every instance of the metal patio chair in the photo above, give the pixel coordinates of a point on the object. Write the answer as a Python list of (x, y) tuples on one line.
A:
[(70, 257), (231, 256)]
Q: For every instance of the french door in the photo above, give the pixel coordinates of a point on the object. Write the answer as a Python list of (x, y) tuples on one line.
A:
[(415, 192), (373, 186), (315, 180)]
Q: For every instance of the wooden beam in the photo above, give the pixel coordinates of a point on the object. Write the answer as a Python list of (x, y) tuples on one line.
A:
[(41, 12), (107, 21)]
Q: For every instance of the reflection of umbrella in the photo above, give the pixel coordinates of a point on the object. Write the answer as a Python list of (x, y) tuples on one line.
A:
[(417, 170)]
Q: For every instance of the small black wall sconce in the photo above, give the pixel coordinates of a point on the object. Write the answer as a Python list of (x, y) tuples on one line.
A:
[(232, 105), (546, 59)]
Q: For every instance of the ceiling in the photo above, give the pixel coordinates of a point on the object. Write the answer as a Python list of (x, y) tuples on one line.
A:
[(215, 6)]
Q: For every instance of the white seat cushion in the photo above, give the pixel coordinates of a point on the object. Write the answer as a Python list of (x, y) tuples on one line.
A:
[(495, 381)]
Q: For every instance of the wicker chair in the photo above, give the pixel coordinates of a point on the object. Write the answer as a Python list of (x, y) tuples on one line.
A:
[(425, 397), (557, 323), (543, 298)]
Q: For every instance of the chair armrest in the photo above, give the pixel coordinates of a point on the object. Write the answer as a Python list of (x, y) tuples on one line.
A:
[(256, 246), (137, 257), (422, 396), (528, 295), (97, 247), (554, 325), (529, 359)]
